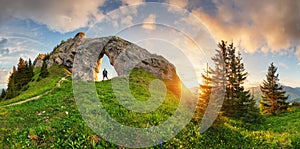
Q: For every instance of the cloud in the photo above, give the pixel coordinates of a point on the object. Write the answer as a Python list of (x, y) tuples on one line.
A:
[(3, 41), (122, 17), (132, 2), (62, 16), (255, 25), (179, 3), (283, 65), (149, 22), (298, 54), (3, 79), (12, 48), (127, 21), (4, 51)]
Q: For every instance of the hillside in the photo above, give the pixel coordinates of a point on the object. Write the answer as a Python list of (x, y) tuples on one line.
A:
[(294, 93), (54, 121), (37, 87)]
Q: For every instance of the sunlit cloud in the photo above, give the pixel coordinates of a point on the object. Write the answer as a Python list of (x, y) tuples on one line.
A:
[(62, 16), (180, 3), (177, 5), (149, 22), (255, 25), (132, 2)]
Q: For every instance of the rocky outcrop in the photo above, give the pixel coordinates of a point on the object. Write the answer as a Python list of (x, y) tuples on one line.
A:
[(123, 56), (38, 62)]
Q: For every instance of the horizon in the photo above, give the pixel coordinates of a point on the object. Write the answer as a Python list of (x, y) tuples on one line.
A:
[(28, 32)]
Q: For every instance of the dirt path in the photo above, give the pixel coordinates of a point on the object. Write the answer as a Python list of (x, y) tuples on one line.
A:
[(37, 97)]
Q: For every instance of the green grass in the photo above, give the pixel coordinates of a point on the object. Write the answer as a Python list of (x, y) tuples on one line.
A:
[(54, 121), (38, 87)]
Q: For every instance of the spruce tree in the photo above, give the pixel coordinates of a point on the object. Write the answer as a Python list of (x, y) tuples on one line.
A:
[(231, 79), (29, 71), (44, 71), (205, 91), (22, 76), (31, 68), (273, 98), (3, 94), (237, 101), (14, 70), (19, 78), (11, 91), (21, 64), (218, 75)]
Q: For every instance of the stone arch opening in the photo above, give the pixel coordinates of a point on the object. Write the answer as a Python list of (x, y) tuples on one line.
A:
[(123, 57), (104, 62)]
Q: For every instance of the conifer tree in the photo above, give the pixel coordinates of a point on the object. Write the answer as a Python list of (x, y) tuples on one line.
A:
[(14, 70), (44, 71), (19, 78), (237, 101), (218, 75), (22, 76), (3, 94), (205, 91), (273, 98), (11, 89), (30, 68), (21, 64)]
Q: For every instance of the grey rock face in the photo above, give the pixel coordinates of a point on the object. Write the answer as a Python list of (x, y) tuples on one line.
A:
[(86, 54), (38, 62)]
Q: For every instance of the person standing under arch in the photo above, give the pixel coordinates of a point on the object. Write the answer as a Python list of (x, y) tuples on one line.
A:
[(104, 73)]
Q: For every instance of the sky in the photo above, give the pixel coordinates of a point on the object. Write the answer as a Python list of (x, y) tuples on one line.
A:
[(186, 32)]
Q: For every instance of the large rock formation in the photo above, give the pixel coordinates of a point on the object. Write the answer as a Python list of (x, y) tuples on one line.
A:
[(62, 54), (122, 54)]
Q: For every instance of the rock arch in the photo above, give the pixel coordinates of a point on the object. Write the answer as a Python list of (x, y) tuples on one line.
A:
[(123, 56)]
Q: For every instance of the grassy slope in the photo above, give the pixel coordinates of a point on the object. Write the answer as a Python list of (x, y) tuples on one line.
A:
[(54, 121), (36, 87)]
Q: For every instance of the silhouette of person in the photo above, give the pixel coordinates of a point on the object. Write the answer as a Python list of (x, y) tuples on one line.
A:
[(104, 73)]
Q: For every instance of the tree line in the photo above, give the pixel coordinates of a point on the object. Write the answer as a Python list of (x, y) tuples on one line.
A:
[(20, 77), (229, 72)]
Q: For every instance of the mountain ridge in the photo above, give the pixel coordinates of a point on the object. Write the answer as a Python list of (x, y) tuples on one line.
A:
[(292, 92)]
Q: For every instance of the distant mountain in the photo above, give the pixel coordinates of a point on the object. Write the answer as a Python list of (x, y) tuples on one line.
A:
[(293, 93)]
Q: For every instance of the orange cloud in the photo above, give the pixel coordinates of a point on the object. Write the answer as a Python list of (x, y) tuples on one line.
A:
[(178, 3), (255, 25), (132, 2)]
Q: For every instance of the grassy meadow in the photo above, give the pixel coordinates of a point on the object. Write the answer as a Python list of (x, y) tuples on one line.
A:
[(53, 121)]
